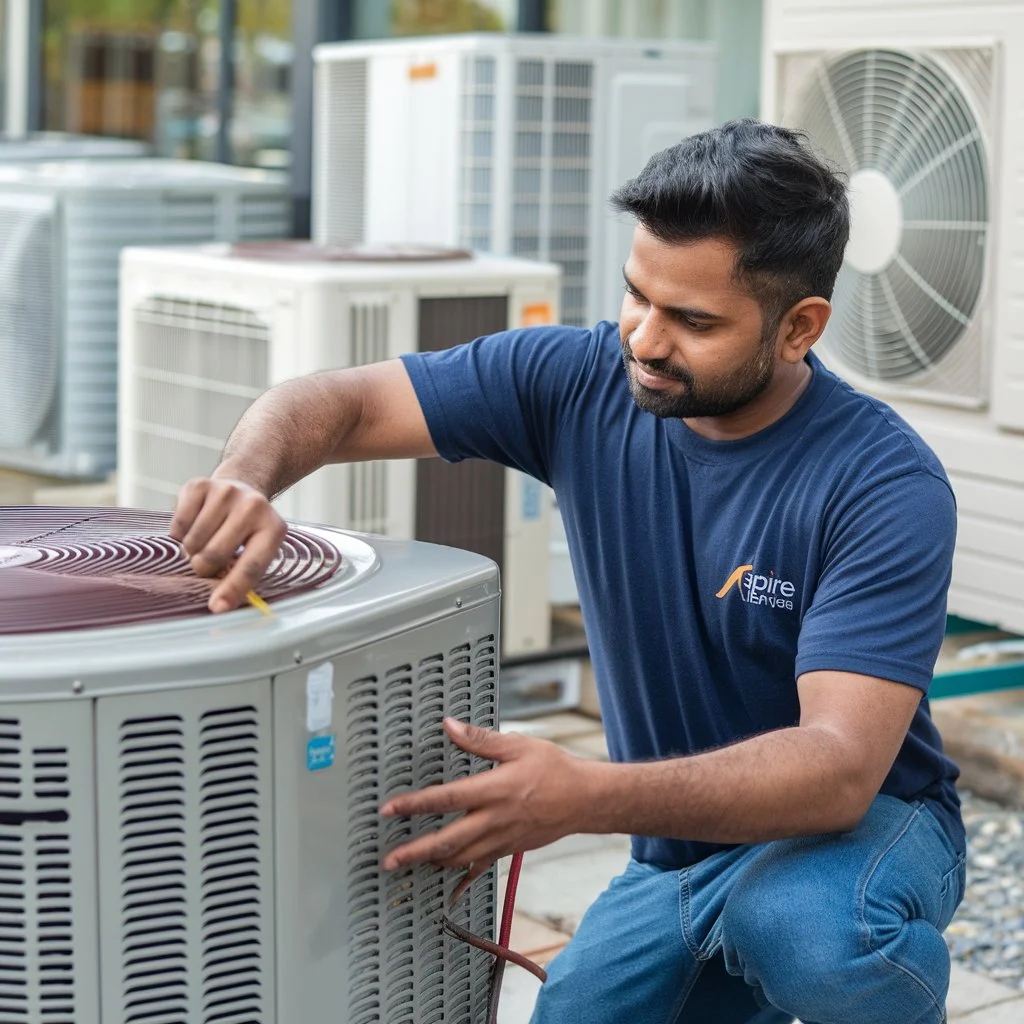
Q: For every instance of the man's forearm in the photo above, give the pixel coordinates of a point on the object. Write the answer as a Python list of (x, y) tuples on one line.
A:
[(785, 783), (286, 434)]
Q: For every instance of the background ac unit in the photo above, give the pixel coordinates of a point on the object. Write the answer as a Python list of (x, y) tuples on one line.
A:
[(189, 823), (502, 143), (67, 146), (918, 102), (62, 227), (205, 330)]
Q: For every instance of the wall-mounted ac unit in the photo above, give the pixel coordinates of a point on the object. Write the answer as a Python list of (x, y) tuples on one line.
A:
[(205, 330), (62, 227), (918, 102), (501, 143), (67, 146), (190, 821)]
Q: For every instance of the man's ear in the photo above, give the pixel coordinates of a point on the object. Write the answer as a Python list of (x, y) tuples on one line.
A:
[(802, 326)]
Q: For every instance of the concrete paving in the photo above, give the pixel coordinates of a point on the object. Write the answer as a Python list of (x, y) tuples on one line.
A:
[(559, 882)]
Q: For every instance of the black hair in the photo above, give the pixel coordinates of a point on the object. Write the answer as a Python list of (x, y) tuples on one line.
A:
[(763, 189)]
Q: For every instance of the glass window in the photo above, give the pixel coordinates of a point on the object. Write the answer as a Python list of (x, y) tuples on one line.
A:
[(375, 19)]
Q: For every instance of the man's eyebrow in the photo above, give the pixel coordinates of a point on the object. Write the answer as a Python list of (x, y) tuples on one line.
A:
[(688, 312)]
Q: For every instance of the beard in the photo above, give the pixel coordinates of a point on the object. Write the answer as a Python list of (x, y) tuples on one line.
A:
[(718, 397)]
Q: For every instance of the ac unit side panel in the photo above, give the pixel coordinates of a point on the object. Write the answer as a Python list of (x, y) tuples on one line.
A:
[(185, 810), (369, 943), (525, 582), (417, 154), (48, 908)]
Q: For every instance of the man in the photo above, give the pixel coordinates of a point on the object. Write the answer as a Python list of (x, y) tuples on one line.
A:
[(762, 557)]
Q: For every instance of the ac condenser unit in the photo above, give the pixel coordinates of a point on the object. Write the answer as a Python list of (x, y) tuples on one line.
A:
[(67, 146), (917, 103), (205, 330), (189, 805), (62, 227), (502, 143)]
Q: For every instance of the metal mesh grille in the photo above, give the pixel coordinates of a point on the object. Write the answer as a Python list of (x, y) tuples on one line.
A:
[(197, 368), (551, 173), (29, 357), (403, 968), (339, 188), (154, 908), (368, 498), (918, 123), (478, 126)]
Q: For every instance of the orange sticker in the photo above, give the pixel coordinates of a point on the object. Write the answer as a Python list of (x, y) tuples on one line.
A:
[(420, 71), (537, 314)]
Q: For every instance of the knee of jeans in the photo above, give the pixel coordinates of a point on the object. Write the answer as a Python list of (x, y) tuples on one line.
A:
[(786, 941)]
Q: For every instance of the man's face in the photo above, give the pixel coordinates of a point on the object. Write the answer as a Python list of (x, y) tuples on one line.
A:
[(692, 339)]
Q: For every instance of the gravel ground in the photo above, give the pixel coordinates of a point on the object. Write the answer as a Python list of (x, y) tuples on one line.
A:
[(987, 933)]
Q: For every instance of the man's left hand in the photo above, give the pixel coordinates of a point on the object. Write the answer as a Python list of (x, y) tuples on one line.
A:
[(536, 794)]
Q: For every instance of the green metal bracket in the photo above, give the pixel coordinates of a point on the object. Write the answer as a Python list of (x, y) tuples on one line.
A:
[(977, 680)]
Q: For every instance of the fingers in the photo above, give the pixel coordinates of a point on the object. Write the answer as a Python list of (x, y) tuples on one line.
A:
[(446, 847), (461, 795), (486, 743), (223, 523)]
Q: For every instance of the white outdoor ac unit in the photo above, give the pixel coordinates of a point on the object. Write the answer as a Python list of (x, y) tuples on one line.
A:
[(502, 143), (919, 103), (67, 146), (190, 824), (205, 330), (62, 227)]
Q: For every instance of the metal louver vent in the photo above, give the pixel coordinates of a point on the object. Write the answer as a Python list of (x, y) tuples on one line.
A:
[(10, 759), (13, 885), (193, 869), (29, 351), (229, 801), (368, 498), (340, 158), (910, 129), (154, 906), (477, 193), (395, 741), (198, 367), (53, 917)]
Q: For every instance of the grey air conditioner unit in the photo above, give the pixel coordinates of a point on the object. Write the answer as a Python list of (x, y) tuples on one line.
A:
[(62, 227), (189, 805), (67, 146)]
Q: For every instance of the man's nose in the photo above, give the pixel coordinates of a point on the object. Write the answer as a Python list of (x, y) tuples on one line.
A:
[(650, 341)]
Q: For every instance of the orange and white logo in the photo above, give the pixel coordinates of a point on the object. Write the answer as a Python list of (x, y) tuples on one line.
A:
[(756, 588)]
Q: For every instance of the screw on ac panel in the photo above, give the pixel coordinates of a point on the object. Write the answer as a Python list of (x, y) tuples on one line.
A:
[(458, 602), (77, 687), (298, 657)]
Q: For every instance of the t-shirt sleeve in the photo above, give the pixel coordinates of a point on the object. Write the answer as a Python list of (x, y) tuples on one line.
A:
[(880, 604), (502, 397)]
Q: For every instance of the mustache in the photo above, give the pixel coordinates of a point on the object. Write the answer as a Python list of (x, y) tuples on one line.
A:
[(661, 367)]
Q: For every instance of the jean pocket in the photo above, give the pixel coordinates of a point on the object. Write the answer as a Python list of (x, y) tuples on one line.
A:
[(951, 891)]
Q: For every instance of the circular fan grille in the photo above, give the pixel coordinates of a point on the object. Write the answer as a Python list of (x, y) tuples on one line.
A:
[(906, 134), (64, 568)]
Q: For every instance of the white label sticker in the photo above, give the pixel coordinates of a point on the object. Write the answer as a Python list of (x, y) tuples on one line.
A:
[(319, 697)]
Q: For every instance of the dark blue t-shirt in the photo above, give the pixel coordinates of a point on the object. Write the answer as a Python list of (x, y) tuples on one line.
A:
[(712, 574)]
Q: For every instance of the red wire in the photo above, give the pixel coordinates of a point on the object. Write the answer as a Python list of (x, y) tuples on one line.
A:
[(510, 899)]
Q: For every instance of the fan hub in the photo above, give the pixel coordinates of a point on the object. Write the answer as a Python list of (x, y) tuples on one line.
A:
[(876, 222), (10, 557)]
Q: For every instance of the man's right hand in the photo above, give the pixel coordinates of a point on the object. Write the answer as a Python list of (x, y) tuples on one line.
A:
[(225, 524)]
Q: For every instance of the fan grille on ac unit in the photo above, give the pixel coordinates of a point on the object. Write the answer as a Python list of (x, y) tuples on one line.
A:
[(74, 569), (906, 128)]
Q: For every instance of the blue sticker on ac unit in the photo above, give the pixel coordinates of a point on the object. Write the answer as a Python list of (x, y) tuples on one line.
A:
[(320, 752), (531, 499)]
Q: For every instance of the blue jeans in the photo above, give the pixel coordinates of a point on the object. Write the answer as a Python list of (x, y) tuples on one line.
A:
[(833, 929)]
